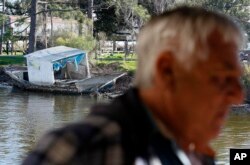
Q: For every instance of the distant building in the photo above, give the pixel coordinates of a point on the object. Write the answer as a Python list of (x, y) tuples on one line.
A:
[(20, 29)]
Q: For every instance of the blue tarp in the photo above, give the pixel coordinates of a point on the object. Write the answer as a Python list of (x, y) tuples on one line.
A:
[(57, 65)]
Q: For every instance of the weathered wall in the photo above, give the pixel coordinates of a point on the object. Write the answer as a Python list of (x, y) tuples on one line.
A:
[(40, 72)]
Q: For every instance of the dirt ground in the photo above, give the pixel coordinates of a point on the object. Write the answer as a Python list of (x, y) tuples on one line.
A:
[(104, 69), (122, 84)]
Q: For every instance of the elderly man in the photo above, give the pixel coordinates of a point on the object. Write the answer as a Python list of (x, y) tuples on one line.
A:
[(187, 78)]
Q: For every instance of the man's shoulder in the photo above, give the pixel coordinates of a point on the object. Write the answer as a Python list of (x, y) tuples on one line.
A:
[(98, 134)]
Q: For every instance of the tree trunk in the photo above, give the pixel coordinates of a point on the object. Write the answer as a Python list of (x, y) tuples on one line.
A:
[(2, 29), (51, 32), (80, 25), (32, 35), (126, 50), (45, 25), (90, 9), (114, 46), (12, 47), (7, 47), (90, 14)]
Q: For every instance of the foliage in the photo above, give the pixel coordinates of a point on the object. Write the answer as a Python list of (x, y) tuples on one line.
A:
[(132, 13), (156, 7), (117, 56), (106, 21), (238, 9), (127, 66), (65, 11), (116, 15), (85, 42), (18, 7), (246, 75), (3, 18), (141, 12), (113, 16)]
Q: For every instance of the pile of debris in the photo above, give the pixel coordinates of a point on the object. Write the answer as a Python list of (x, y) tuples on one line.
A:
[(122, 84)]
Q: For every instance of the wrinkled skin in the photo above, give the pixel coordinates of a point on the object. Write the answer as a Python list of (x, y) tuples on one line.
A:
[(193, 105)]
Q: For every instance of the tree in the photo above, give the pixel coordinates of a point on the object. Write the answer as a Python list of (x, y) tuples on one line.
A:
[(116, 15), (238, 9), (18, 7), (32, 38), (106, 21), (90, 13), (85, 42), (132, 14), (157, 7)]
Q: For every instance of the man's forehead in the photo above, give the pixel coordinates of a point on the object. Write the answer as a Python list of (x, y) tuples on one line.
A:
[(222, 60)]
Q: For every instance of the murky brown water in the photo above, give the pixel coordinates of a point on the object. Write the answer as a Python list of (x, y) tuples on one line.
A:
[(25, 116), (236, 134)]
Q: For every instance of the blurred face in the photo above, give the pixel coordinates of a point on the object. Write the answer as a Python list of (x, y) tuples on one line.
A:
[(201, 97)]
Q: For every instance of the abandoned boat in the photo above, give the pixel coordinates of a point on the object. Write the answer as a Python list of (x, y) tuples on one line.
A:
[(60, 70)]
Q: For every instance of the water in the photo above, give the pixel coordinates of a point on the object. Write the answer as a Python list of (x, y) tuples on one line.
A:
[(236, 134), (26, 116)]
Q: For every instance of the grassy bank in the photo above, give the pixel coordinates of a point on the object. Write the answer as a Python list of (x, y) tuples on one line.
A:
[(128, 66), (116, 57), (12, 60), (123, 65)]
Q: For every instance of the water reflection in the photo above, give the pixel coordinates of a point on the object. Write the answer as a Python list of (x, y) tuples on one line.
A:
[(25, 116), (236, 134)]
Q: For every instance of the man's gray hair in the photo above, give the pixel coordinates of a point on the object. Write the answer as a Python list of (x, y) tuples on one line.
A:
[(180, 31)]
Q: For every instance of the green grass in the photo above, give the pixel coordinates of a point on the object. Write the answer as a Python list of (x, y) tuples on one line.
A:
[(12, 60), (16, 53), (128, 66), (116, 56)]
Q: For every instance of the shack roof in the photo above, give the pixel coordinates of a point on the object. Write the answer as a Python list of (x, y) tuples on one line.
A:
[(55, 53)]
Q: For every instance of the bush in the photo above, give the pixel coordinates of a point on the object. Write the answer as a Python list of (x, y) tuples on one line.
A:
[(85, 42)]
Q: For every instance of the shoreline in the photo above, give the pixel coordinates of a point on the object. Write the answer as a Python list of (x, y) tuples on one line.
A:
[(122, 84)]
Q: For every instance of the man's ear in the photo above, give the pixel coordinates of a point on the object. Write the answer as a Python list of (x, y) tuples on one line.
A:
[(165, 69)]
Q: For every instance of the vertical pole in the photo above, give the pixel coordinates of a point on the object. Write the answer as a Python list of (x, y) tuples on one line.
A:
[(2, 29), (51, 30), (45, 24)]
